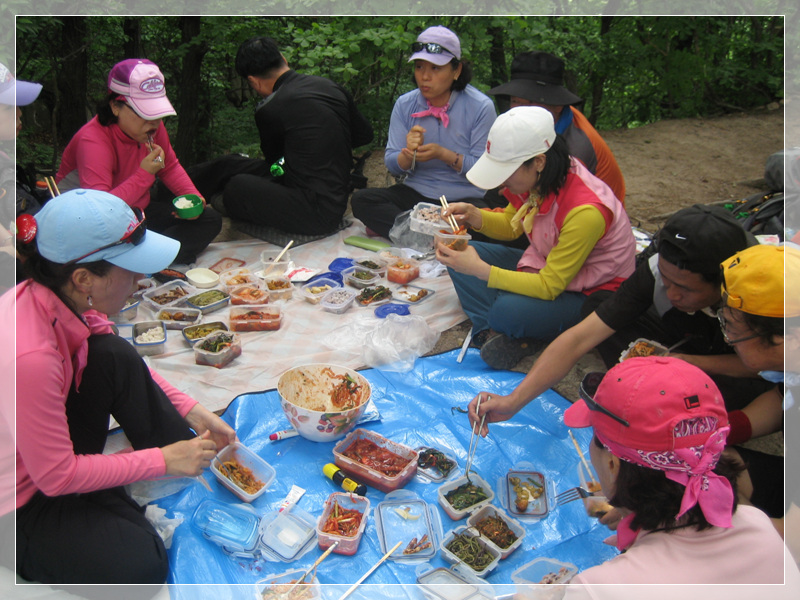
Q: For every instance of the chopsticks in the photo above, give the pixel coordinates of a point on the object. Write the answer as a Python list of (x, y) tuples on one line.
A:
[(280, 256), (368, 573), (583, 458), (450, 218), (50, 181), (474, 438), (312, 567)]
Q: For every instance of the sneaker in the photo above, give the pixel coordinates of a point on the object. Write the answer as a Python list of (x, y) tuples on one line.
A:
[(479, 339), (503, 352)]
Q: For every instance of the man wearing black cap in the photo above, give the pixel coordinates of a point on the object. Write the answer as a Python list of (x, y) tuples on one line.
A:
[(670, 298), (537, 79)]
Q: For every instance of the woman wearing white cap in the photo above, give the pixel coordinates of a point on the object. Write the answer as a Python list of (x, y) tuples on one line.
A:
[(436, 134), (125, 148), (580, 239), (85, 251)]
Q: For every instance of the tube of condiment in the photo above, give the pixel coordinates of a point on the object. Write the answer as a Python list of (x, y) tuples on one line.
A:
[(333, 472)]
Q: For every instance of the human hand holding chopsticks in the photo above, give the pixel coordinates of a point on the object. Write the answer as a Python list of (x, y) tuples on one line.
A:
[(464, 214), (188, 458), (154, 161), (493, 409)]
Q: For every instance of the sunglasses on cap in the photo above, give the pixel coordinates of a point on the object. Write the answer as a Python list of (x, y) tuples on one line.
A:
[(431, 47), (133, 236), (587, 391)]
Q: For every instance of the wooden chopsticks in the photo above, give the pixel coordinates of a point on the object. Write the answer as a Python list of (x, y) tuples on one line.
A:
[(50, 181), (450, 218), (582, 457)]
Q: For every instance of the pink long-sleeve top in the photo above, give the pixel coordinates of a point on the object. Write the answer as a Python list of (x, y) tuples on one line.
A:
[(52, 347), (102, 157)]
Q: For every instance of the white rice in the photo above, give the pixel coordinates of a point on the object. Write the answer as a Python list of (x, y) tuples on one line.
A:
[(156, 334)]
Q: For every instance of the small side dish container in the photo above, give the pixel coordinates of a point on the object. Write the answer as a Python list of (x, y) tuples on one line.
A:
[(249, 293), (461, 512), (530, 578), (143, 285), (275, 587), (347, 545), (236, 277), (314, 292), (453, 559), (359, 277), (597, 505), (154, 340), (128, 312), (370, 476), (268, 260), (426, 218), (402, 271), (435, 465), (412, 294), (338, 300), (255, 318), (202, 278), (446, 584), (234, 527), (287, 534), (490, 512), (204, 354), (366, 297), (173, 293), (278, 287), (454, 241), (193, 333), (238, 452), (226, 264), (373, 264), (534, 485), (188, 206), (643, 347), (209, 301), (405, 517), (179, 318)]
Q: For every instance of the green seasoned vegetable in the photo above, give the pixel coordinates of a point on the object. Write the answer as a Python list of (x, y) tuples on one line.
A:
[(206, 298), (468, 549), (368, 264), (431, 458), (370, 295), (217, 343), (465, 496)]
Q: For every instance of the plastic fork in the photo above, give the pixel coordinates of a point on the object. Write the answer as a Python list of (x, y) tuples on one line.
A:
[(573, 494)]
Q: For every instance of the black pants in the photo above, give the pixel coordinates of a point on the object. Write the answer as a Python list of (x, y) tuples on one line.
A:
[(102, 536), (193, 234)]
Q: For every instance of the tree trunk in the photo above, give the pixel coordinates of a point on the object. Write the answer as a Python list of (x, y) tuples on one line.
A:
[(132, 28), (598, 79), (497, 58), (189, 91), (71, 110)]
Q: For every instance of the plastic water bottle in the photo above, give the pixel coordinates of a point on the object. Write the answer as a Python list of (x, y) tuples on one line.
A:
[(276, 170)]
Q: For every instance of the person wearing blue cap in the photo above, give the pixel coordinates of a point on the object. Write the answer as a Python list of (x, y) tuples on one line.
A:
[(84, 253)]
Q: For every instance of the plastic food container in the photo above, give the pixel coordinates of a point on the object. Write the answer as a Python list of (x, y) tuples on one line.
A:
[(274, 587), (405, 517), (412, 294), (149, 348), (202, 278), (193, 333), (597, 505), (373, 264), (314, 292), (445, 584), (178, 318), (369, 476), (143, 285), (286, 534), (338, 300), (460, 513), (255, 318), (643, 347), (531, 577), (366, 297), (402, 271), (209, 301), (219, 358), (453, 559), (279, 288), (240, 453), (234, 527), (226, 264), (528, 480), (236, 277), (347, 545), (430, 467), (268, 259), (360, 278), (128, 312), (249, 293), (515, 526), (427, 218), (454, 241), (188, 206), (173, 293)]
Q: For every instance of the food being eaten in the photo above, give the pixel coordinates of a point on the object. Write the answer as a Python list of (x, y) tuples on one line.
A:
[(322, 390), (641, 349), (241, 476)]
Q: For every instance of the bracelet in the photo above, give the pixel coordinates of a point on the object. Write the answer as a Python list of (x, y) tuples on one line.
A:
[(455, 162)]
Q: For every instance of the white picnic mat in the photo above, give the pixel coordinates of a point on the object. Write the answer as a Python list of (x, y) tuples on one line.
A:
[(265, 355)]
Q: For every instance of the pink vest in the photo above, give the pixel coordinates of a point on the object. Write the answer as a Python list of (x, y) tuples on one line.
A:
[(613, 258)]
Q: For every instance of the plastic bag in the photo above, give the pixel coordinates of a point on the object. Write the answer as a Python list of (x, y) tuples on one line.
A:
[(403, 237), (397, 342)]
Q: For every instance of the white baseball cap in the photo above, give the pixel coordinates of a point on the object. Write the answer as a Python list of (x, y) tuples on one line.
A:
[(517, 135)]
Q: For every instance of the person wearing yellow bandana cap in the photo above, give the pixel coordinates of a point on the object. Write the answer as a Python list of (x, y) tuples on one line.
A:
[(580, 239)]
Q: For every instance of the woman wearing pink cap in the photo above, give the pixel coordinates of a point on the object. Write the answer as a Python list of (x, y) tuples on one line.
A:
[(660, 427), (125, 148)]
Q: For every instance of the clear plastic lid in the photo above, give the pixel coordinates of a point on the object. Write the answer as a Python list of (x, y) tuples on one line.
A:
[(526, 493), (544, 571), (412, 294), (234, 527), (404, 517), (286, 534)]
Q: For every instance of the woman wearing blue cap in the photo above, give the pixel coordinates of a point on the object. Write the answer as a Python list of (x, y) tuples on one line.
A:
[(84, 252)]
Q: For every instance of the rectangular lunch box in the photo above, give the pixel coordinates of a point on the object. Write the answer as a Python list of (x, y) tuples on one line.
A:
[(429, 467), (249, 293), (406, 518), (402, 271), (149, 348), (314, 292), (367, 475), (128, 312), (459, 513), (240, 453), (446, 584), (193, 333), (179, 318), (173, 293), (427, 218), (274, 587), (219, 358), (338, 300), (286, 534), (360, 278), (255, 318), (236, 277), (347, 545), (449, 556), (373, 264), (490, 511), (454, 241), (536, 507), (279, 288), (534, 579), (209, 301), (412, 294)]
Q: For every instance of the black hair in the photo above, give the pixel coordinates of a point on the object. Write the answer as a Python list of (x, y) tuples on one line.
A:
[(767, 328), (460, 84), (556, 167), (258, 56), (656, 500), (105, 115), (52, 275)]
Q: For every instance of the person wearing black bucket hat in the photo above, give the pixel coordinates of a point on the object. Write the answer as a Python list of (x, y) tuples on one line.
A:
[(537, 79), (75, 523)]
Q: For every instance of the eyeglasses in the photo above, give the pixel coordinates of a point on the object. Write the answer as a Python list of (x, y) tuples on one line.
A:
[(133, 236), (587, 390), (723, 325), (431, 47)]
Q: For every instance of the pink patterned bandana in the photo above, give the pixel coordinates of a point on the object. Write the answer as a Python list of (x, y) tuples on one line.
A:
[(440, 112)]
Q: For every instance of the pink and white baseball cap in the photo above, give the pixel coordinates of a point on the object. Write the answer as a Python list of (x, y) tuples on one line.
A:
[(141, 82)]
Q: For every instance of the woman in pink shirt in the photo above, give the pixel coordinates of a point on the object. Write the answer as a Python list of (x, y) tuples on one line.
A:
[(125, 149), (75, 522)]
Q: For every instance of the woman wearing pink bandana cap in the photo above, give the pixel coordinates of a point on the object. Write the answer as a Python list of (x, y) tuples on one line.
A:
[(660, 426), (436, 133)]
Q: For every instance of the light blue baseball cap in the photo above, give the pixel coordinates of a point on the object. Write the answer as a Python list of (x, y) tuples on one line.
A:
[(83, 226)]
